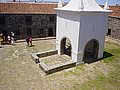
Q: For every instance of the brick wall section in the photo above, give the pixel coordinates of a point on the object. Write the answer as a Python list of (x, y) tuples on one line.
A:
[(114, 25), (16, 22)]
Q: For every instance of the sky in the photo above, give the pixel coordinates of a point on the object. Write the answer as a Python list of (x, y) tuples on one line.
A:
[(99, 1), (112, 2)]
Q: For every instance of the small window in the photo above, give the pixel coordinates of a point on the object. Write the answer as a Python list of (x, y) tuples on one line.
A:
[(50, 32), (51, 19), (17, 32), (21, 18), (41, 31), (2, 21), (28, 20), (118, 18), (42, 21), (109, 32), (29, 32)]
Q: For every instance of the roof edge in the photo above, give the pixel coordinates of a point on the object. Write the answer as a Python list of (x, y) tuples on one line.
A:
[(90, 11)]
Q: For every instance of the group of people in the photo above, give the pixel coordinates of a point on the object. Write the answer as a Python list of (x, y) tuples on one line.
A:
[(29, 41), (10, 39), (7, 39)]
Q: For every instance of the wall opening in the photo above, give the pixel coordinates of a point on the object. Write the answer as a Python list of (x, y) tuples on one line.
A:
[(5, 34), (29, 32), (50, 32), (66, 47), (2, 20), (109, 32), (17, 32), (28, 20), (91, 51)]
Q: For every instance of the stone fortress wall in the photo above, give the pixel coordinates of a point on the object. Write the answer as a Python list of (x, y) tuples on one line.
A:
[(23, 25)]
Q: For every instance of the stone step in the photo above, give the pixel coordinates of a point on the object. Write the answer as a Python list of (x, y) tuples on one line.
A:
[(36, 56), (57, 67)]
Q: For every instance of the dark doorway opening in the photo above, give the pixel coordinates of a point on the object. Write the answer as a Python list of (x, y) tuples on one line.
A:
[(91, 51), (66, 47), (29, 32), (5, 33), (109, 32), (50, 32)]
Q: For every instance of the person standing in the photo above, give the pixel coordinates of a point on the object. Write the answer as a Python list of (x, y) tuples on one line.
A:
[(30, 40), (12, 41), (1, 39), (9, 39), (27, 40), (12, 38)]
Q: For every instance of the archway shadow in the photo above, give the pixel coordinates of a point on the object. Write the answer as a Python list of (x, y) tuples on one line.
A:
[(105, 55)]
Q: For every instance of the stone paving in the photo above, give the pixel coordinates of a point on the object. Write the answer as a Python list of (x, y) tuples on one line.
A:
[(55, 59), (55, 63)]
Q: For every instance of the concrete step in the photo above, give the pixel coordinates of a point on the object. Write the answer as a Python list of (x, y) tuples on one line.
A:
[(57, 67)]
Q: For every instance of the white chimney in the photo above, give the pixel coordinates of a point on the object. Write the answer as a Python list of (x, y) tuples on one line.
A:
[(60, 4), (81, 5), (106, 7)]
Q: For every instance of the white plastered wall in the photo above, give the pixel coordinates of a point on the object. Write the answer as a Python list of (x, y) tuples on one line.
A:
[(68, 24), (92, 26), (80, 28)]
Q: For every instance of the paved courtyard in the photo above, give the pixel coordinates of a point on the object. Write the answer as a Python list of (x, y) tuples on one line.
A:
[(55, 59), (19, 72)]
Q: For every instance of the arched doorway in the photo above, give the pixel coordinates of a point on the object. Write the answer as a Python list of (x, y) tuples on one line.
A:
[(5, 34), (91, 51), (66, 47)]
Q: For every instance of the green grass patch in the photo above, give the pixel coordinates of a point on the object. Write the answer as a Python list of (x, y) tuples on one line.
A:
[(77, 70), (101, 82), (112, 51)]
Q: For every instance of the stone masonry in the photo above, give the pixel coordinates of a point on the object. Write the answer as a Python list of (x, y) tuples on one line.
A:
[(44, 25), (114, 27), (23, 25)]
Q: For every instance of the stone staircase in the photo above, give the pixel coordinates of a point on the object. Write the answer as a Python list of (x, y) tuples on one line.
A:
[(51, 62), (57, 67)]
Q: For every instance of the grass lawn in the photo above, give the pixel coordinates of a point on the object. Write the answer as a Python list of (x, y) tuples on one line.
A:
[(111, 60), (19, 72)]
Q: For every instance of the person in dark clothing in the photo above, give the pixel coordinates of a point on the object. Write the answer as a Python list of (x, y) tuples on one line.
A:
[(30, 41), (27, 40)]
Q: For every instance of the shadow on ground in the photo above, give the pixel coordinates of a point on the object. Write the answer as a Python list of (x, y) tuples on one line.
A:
[(106, 55), (92, 60)]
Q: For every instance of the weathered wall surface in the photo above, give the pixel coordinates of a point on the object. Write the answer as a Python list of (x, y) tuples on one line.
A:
[(41, 25), (114, 27)]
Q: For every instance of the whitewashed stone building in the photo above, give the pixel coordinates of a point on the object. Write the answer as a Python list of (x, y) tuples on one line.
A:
[(81, 30)]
